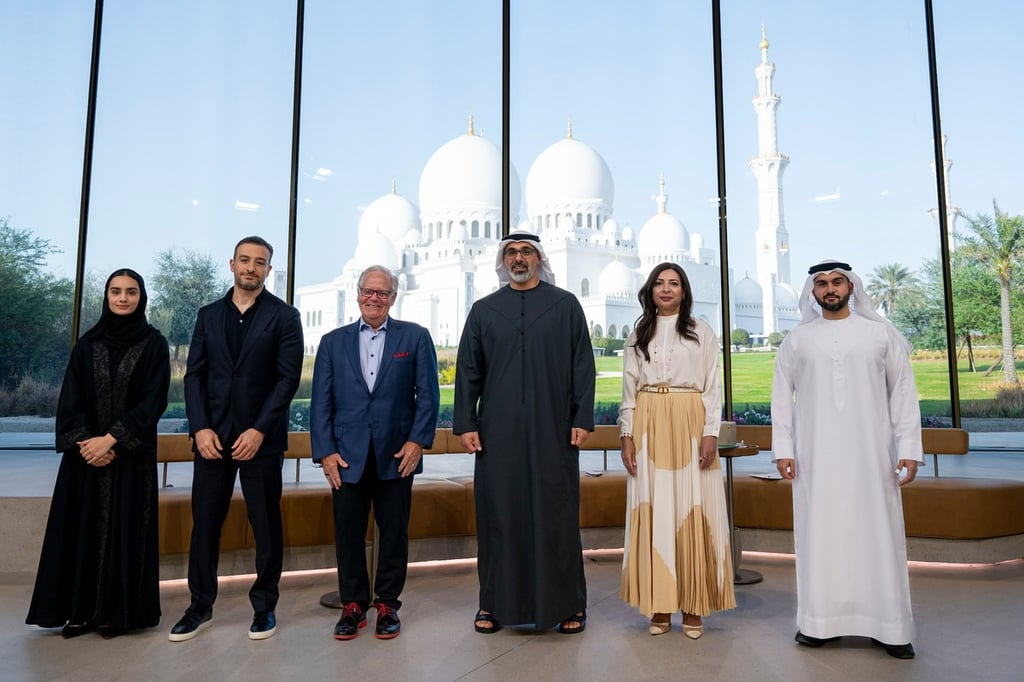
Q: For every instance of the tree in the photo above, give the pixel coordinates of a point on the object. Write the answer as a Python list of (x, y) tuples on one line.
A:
[(740, 337), (35, 336), (775, 338), (997, 243), (921, 315), (182, 285), (888, 283)]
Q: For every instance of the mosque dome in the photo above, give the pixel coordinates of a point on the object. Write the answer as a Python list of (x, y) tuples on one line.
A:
[(617, 278), (392, 215), (351, 269), (627, 234), (747, 292), (569, 172), (610, 227), (376, 249), (464, 174), (786, 296), (413, 237), (662, 234)]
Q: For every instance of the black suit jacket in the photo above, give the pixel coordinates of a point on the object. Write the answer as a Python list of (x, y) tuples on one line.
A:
[(256, 390)]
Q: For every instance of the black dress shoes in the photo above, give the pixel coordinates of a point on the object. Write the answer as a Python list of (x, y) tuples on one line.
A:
[(388, 625), (72, 630), (352, 619), (815, 642), (902, 651)]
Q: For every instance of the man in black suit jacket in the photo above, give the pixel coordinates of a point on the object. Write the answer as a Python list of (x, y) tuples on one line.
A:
[(242, 372)]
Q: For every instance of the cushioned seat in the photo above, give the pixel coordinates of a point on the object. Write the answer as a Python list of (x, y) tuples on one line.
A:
[(175, 518), (949, 508), (438, 508), (603, 500)]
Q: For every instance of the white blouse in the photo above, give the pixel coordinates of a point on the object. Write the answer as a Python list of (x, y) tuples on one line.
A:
[(675, 361)]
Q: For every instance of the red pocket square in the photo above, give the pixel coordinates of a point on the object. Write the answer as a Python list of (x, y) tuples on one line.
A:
[(401, 354)]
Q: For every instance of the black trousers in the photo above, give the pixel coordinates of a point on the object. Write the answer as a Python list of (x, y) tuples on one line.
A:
[(391, 500), (213, 482)]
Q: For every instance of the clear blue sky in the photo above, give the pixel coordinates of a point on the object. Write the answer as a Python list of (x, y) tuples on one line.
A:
[(195, 105)]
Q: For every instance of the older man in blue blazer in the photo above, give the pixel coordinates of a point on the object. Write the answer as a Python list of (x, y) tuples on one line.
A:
[(373, 410)]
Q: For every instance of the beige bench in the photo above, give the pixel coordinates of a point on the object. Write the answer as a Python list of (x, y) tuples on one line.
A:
[(444, 508)]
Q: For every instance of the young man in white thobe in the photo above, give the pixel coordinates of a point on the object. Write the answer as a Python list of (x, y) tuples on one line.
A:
[(846, 424)]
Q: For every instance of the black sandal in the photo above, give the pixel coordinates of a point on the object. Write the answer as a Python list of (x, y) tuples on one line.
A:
[(579, 618), (484, 617)]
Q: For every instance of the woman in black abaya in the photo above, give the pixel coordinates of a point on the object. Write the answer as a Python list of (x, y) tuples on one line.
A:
[(99, 565)]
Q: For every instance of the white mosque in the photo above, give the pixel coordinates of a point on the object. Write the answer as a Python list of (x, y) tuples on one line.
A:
[(444, 249)]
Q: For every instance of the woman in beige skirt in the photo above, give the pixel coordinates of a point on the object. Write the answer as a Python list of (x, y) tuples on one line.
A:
[(676, 553)]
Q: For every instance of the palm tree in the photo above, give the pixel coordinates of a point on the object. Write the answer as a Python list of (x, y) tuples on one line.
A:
[(998, 244), (888, 283)]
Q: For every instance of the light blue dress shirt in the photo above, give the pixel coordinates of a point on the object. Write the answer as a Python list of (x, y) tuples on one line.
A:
[(371, 345)]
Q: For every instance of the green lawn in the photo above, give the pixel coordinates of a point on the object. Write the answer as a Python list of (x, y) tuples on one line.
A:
[(752, 382)]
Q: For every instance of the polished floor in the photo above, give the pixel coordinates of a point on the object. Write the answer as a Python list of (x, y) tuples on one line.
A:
[(968, 619)]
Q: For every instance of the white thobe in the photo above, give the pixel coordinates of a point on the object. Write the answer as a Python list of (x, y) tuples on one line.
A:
[(845, 409)]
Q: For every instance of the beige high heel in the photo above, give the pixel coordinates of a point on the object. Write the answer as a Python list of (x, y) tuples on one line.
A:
[(692, 631), (660, 624)]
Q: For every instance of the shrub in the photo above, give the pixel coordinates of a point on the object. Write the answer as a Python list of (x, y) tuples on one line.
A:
[(1008, 402), (32, 397)]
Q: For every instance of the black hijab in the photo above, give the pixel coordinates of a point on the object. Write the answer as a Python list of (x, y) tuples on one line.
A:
[(121, 331)]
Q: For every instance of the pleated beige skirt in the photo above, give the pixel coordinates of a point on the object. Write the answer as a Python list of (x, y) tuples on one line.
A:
[(676, 555)]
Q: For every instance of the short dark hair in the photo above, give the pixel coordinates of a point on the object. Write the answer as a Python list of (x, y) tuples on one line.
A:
[(258, 241)]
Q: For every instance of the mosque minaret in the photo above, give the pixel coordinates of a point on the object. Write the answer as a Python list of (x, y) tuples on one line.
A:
[(952, 212), (771, 239)]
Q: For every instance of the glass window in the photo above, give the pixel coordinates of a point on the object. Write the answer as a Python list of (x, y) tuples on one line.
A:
[(400, 160), (980, 115), (44, 76), (193, 148), (625, 135), (828, 129)]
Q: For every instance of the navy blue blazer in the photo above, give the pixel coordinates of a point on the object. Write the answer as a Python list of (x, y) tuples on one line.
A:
[(345, 416), (255, 391)]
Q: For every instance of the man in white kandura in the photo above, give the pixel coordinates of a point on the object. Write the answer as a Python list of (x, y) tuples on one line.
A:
[(845, 424)]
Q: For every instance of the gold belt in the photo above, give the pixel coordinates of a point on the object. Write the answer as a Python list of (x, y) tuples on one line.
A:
[(667, 389)]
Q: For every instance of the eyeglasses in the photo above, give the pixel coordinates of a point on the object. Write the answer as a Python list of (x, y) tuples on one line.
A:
[(525, 252), (382, 294)]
